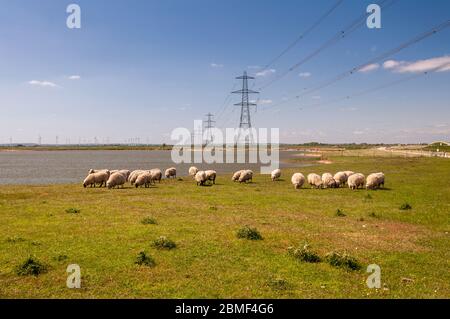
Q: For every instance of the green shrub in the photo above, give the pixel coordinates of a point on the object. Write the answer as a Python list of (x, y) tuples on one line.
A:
[(249, 233), (278, 284), (148, 221), (143, 259), (340, 213), (405, 206), (31, 266), (164, 243), (304, 254), (343, 261), (73, 210)]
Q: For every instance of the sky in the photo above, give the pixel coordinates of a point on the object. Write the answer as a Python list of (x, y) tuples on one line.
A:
[(140, 69)]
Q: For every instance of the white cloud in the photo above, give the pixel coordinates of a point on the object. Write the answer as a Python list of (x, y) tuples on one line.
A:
[(74, 77), (43, 83), (305, 74), (262, 102), (391, 64), (439, 64), (369, 68), (266, 72), (216, 65)]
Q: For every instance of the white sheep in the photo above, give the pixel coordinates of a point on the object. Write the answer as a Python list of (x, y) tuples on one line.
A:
[(134, 175), (349, 173), (200, 178), (246, 176), (144, 179), (355, 181), (94, 178), (211, 176), (340, 178), (328, 180), (156, 175), (116, 180), (375, 180), (315, 180), (171, 172), (298, 179), (92, 171), (192, 171), (236, 175), (275, 175)]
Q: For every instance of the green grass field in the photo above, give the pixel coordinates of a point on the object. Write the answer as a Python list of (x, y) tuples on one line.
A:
[(210, 261)]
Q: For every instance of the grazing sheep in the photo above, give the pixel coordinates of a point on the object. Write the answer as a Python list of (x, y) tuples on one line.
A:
[(156, 175), (236, 175), (276, 174), (355, 181), (171, 172), (192, 171), (246, 176), (340, 178), (328, 181), (94, 178), (134, 175), (315, 180), (92, 171), (298, 179), (124, 172), (349, 173), (200, 178), (144, 179), (375, 181), (116, 180), (211, 176)]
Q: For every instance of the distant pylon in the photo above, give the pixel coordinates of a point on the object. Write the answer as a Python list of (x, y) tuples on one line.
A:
[(245, 121), (208, 128)]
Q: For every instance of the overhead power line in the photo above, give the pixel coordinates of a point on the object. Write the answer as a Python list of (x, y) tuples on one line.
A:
[(379, 58), (379, 87), (304, 34), (333, 40)]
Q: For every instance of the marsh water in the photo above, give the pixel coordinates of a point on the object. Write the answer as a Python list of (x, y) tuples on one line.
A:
[(64, 167)]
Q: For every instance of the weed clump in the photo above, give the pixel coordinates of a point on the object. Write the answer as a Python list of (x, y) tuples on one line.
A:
[(143, 259), (304, 254), (31, 266), (343, 261), (278, 284), (249, 233), (405, 206), (148, 221), (163, 243), (340, 213), (15, 239), (73, 210)]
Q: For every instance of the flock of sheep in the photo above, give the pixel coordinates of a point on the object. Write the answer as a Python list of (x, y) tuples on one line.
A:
[(139, 178), (327, 180)]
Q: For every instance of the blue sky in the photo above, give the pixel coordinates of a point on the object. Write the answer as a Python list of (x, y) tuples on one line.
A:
[(143, 68)]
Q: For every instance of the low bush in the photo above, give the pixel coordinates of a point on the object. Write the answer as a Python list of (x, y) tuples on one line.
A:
[(343, 260), (163, 243), (247, 232), (31, 266)]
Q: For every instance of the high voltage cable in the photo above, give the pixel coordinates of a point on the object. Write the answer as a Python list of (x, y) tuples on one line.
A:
[(334, 39), (383, 56), (380, 87), (304, 34)]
